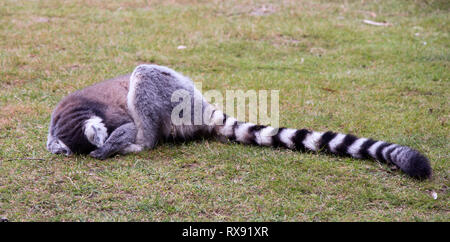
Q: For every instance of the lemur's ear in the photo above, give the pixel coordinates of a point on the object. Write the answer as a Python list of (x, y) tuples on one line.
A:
[(95, 131)]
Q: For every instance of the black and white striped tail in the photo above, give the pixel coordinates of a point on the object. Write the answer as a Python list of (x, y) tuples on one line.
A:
[(408, 160)]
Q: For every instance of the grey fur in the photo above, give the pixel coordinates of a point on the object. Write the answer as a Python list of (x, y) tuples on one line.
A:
[(148, 105), (151, 106)]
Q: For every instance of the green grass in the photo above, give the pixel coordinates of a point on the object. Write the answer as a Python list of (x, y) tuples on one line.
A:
[(333, 71)]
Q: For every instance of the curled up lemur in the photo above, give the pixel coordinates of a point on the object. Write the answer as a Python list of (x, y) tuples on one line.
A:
[(133, 112)]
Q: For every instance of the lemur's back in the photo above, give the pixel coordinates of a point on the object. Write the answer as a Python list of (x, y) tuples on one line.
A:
[(112, 91)]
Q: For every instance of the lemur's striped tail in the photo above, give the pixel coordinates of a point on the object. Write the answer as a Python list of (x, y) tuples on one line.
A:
[(408, 160)]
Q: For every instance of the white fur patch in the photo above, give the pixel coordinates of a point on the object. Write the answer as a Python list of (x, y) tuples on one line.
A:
[(336, 141), (217, 118), (356, 147), (131, 107), (373, 149), (95, 131), (227, 129), (242, 132), (264, 136), (286, 137), (312, 140)]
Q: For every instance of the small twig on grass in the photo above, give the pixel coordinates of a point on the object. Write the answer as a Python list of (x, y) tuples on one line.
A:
[(328, 89), (376, 23)]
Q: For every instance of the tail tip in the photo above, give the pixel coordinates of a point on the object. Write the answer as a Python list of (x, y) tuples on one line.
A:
[(418, 166)]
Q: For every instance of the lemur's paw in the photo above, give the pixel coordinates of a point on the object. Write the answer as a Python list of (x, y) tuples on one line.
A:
[(99, 154)]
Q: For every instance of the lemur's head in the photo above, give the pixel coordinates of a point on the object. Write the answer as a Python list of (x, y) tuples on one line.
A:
[(81, 137), (76, 128)]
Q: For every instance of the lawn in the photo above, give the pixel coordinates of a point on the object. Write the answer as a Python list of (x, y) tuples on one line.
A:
[(333, 71)]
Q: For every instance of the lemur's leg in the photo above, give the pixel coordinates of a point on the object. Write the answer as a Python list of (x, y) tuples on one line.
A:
[(144, 105), (122, 140)]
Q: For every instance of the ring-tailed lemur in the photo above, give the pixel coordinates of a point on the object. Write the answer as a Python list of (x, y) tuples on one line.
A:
[(133, 112)]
